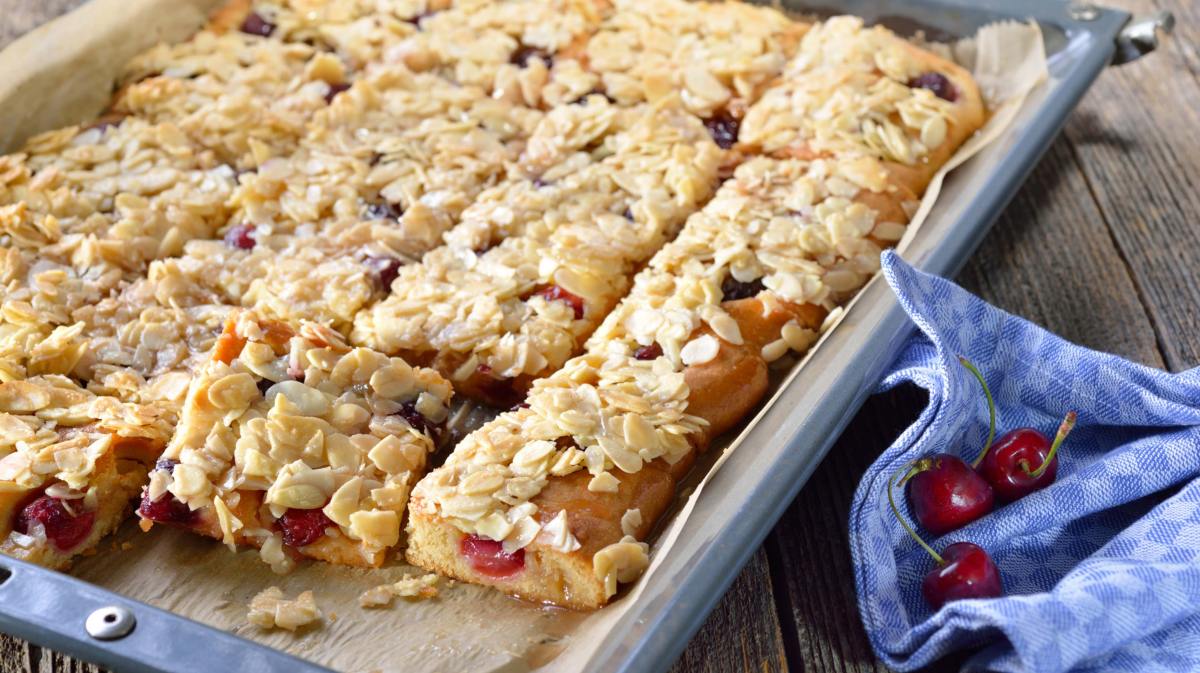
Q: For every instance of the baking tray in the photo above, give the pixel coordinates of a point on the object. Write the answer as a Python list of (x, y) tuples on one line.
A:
[(747, 496)]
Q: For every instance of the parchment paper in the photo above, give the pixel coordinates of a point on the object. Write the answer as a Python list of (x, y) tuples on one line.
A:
[(62, 73)]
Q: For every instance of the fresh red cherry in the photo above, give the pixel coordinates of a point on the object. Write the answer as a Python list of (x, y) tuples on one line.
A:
[(963, 570), (1023, 461), (64, 529), (487, 557), (946, 494)]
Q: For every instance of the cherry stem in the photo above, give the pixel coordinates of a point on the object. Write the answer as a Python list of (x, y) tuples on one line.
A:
[(1063, 430), (910, 470), (991, 409)]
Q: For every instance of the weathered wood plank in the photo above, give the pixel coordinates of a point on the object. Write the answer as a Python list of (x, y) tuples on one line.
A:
[(743, 633), (809, 548), (1050, 259), (1135, 138)]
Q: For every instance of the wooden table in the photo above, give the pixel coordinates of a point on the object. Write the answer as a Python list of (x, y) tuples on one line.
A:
[(1101, 246)]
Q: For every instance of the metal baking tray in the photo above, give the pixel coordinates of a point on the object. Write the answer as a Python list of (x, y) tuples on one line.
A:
[(747, 496)]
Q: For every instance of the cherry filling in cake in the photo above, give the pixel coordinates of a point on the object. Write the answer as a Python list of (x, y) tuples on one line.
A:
[(302, 527), (487, 557), (497, 391), (408, 411), (651, 352), (166, 509), (334, 90), (732, 288), (382, 210), (386, 269), (521, 56), (936, 82), (416, 20), (64, 529), (556, 293), (240, 237), (723, 127), (255, 24)]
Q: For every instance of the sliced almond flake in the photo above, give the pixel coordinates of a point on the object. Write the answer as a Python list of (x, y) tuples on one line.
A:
[(774, 350), (832, 319), (699, 350), (557, 534), (631, 520), (604, 482)]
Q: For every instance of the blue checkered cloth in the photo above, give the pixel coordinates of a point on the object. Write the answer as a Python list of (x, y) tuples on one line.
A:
[(1102, 569)]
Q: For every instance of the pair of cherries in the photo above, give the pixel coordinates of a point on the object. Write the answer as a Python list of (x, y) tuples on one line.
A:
[(945, 493)]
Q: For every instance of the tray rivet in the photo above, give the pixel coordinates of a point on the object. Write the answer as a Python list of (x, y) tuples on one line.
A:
[(110, 623), (1081, 11)]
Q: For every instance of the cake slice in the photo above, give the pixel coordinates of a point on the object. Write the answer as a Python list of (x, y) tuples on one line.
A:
[(856, 90), (71, 463), (293, 442)]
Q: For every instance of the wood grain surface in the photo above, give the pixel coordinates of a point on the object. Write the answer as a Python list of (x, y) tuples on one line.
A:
[(1100, 246)]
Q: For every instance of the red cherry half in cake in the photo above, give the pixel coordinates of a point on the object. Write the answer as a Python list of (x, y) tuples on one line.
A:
[(966, 571), (556, 293), (166, 509), (1023, 461), (723, 127), (240, 237), (487, 557), (651, 352), (302, 527), (946, 494), (939, 84), (64, 530), (255, 24)]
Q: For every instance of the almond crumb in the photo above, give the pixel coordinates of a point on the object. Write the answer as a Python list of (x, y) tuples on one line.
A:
[(269, 609), (415, 588)]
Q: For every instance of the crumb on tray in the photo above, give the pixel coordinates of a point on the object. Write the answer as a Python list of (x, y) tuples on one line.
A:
[(269, 609), (413, 587)]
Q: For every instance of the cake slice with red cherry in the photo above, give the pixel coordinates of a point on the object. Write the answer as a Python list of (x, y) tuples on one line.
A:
[(293, 442), (71, 462)]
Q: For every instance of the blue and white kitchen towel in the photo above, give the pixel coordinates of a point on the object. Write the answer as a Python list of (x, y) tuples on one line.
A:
[(1102, 569)]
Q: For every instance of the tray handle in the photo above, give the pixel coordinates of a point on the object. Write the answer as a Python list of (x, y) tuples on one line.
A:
[(72, 616), (1142, 35)]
